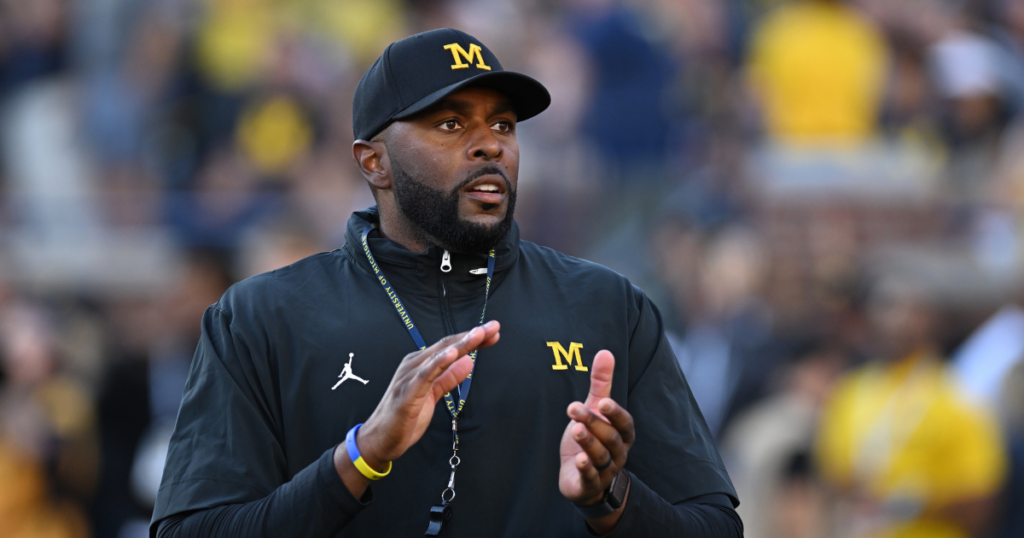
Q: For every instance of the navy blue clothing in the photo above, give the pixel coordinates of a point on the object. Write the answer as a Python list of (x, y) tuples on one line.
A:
[(259, 418)]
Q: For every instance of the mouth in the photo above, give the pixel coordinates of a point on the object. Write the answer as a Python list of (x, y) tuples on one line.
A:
[(487, 189)]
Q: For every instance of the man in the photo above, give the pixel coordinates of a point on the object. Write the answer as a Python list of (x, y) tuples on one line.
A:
[(909, 456), (258, 449), (819, 71)]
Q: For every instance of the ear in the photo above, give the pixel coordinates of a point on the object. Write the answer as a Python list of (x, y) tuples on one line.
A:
[(372, 158)]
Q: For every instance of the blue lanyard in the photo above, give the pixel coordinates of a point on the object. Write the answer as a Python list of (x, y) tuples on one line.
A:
[(449, 401)]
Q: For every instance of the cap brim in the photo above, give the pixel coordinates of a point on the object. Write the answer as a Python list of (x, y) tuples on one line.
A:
[(528, 96)]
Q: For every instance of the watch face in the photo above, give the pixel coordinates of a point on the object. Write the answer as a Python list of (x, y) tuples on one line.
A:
[(617, 489)]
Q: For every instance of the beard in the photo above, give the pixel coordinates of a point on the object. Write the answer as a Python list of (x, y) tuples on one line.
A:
[(435, 213)]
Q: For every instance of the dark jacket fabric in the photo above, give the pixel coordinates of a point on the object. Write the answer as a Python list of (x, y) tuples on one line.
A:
[(251, 450)]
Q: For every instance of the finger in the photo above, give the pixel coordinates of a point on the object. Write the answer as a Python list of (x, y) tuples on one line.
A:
[(428, 372), (590, 478), (423, 376), (462, 343), (459, 370), (490, 341), (476, 338), (600, 377), (414, 360), (452, 376), (598, 426), (620, 419), (598, 453), (582, 413)]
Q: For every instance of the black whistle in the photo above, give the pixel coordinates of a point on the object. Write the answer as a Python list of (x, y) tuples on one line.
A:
[(438, 515)]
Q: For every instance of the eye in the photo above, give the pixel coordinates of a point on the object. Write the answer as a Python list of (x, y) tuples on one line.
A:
[(449, 125), (504, 127)]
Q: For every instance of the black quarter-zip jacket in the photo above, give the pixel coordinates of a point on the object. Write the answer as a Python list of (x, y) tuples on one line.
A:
[(262, 410)]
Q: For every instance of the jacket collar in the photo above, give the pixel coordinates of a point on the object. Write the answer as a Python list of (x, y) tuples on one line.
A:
[(420, 272)]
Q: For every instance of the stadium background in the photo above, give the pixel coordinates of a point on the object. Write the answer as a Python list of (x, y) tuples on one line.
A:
[(762, 168)]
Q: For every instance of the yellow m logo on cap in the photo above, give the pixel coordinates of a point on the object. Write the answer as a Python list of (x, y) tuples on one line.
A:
[(458, 53)]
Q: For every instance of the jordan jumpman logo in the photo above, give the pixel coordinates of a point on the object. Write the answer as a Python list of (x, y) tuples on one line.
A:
[(346, 374)]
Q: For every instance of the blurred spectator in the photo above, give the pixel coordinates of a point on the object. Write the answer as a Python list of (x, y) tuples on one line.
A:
[(818, 69), (779, 490), (126, 75), (273, 133), (907, 454), (728, 346), (325, 191), (969, 76), (228, 198), (48, 449), (275, 244), (142, 391), (47, 163), (557, 190), (911, 100), (234, 43), (32, 39), (1008, 33), (626, 117), (801, 507)]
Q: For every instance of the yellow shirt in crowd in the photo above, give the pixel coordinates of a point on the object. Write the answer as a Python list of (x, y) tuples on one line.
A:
[(819, 69), (28, 506), (238, 41), (901, 435)]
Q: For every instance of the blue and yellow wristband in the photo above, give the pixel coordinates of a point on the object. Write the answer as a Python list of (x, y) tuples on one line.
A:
[(357, 458)]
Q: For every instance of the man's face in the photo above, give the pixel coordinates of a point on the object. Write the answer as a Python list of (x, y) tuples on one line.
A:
[(455, 168), (902, 323)]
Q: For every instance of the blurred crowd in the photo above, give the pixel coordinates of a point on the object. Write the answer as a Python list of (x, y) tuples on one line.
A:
[(825, 198)]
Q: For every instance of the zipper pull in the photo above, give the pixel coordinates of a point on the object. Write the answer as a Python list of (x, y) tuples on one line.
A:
[(480, 271), (446, 262)]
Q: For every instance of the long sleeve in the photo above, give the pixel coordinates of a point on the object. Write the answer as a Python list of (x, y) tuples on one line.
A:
[(674, 453), (227, 473), (647, 514), (314, 503)]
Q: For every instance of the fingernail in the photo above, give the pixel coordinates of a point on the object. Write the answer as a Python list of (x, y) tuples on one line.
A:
[(580, 436)]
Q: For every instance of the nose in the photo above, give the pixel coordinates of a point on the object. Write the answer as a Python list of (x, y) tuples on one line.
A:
[(484, 145)]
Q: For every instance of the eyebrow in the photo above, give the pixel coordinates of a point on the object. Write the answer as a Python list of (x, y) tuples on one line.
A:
[(464, 108)]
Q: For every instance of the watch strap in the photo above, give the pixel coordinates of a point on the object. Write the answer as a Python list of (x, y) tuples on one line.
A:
[(612, 500)]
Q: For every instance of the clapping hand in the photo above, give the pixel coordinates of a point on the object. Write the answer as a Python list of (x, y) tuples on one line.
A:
[(595, 443), (405, 411)]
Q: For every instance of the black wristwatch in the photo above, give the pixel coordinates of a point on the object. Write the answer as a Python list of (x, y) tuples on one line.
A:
[(613, 498)]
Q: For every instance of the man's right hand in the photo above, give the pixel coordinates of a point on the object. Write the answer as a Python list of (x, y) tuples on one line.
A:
[(405, 411)]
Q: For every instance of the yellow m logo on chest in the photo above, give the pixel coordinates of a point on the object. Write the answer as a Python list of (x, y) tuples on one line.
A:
[(458, 53), (573, 353)]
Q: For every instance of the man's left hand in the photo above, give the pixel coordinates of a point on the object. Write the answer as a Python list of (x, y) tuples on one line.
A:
[(599, 435)]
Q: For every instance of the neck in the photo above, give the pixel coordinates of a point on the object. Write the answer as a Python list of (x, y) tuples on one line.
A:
[(395, 227)]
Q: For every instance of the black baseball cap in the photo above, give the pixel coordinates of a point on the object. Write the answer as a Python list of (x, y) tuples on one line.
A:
[(420, 70)]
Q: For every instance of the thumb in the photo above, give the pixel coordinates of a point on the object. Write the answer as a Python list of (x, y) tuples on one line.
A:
[(600, 378)]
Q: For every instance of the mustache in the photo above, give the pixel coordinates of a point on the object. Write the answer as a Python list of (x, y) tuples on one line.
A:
[(487, 170)]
